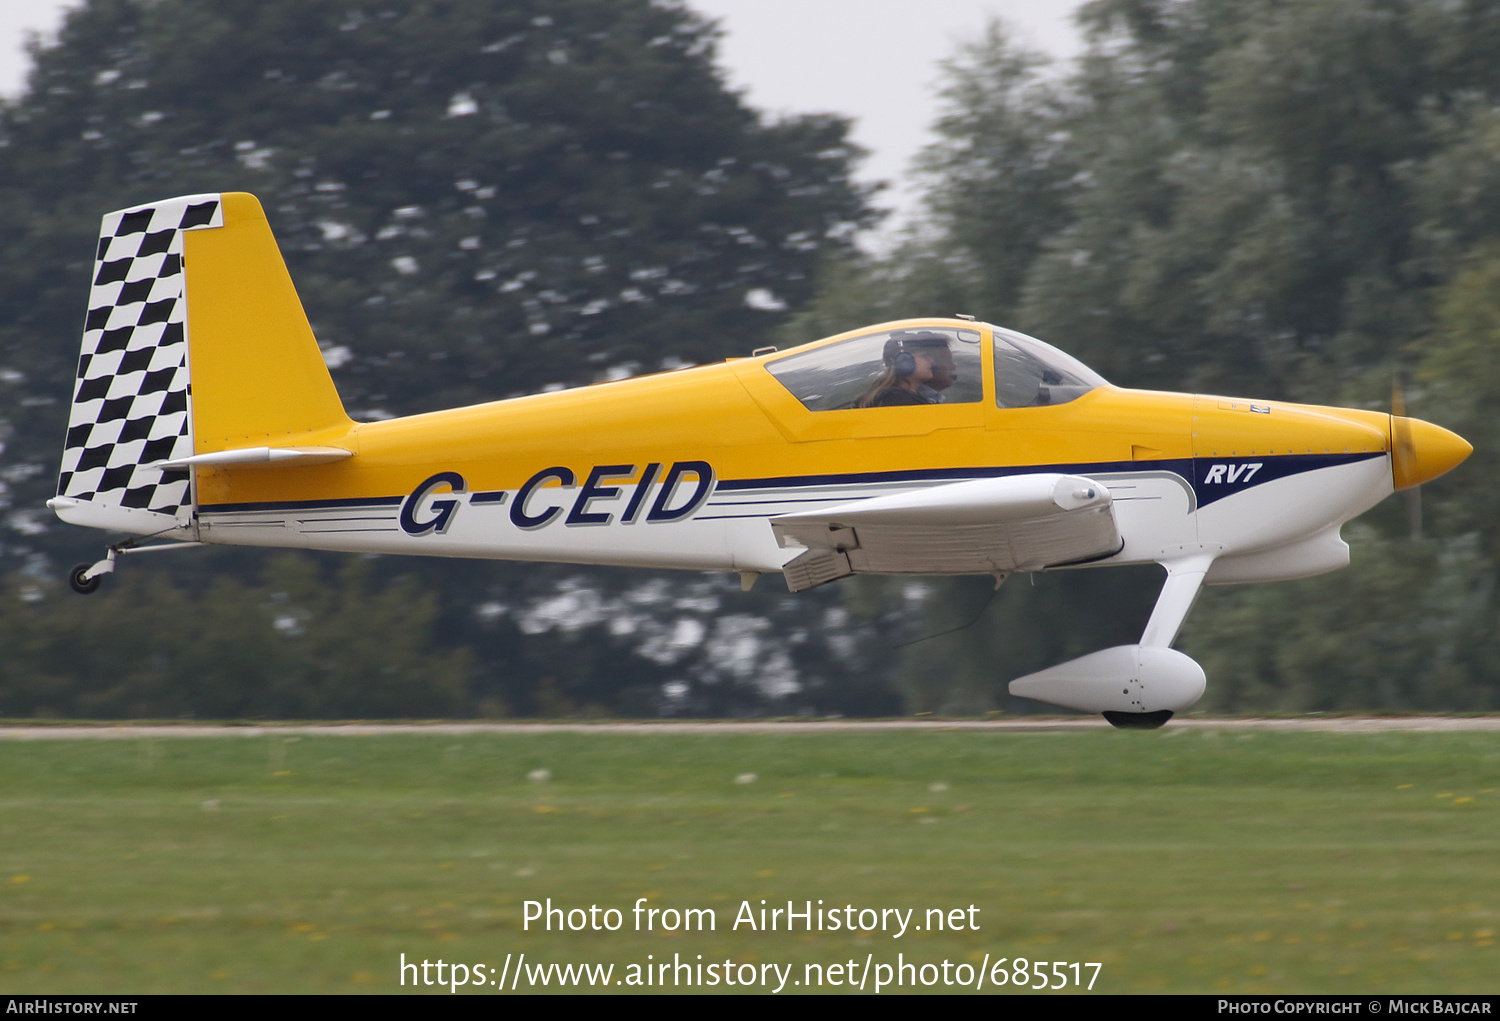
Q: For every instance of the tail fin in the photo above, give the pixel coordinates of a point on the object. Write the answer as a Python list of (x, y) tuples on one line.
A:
[(258, 376), (195, 343)]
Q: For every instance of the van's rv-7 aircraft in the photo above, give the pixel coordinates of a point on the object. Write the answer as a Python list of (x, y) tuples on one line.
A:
[(203, 413)]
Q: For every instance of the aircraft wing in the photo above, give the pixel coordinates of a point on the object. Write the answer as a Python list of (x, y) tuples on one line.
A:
[(984, 526)]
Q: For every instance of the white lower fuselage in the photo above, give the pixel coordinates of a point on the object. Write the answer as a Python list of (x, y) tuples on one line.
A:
[(1282, 525)]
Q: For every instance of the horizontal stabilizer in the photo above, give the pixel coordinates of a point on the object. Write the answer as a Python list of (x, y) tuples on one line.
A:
[(258, 455), (984, 526)]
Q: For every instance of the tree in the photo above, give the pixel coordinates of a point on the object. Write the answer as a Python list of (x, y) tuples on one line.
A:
[(295, 645), (1260, 198), (475, 200), (1002, 153)]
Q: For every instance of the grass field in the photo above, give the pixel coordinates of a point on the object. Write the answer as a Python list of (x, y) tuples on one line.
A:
[(1183, 861)]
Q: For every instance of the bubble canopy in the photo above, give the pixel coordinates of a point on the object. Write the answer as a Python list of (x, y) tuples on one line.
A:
[(1030, 373), (942, 365)]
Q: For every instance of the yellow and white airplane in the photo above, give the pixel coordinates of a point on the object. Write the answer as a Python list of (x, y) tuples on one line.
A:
[(203, 413)]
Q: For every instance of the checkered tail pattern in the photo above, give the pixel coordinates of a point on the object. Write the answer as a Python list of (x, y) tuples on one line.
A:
[(130, 402)]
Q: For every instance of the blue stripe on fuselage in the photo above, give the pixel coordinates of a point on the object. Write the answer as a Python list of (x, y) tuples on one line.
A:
[(1195, 472), (1236, 476), (1215, 478)]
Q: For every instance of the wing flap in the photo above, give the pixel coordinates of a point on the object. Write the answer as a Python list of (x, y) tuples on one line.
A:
[(984, 526), (815, 567)]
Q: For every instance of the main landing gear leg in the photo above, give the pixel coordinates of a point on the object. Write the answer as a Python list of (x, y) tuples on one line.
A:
[(1184, 582), (1137, 687)]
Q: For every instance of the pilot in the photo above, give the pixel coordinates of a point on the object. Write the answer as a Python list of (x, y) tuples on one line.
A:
[(918, 367), (944, 372)]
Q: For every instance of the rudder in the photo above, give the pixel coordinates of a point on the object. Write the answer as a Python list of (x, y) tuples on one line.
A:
[(130, 397)]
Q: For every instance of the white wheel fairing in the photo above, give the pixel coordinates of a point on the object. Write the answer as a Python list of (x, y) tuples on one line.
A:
[(1125, 678)]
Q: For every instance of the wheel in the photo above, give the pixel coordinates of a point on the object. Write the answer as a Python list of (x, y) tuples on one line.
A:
[(81, 585), (1139, 721)]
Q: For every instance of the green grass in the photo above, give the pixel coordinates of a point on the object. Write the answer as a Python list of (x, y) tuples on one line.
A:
[(1182, 861)]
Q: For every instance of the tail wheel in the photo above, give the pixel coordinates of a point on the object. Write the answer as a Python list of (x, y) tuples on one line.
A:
[(83, 586)]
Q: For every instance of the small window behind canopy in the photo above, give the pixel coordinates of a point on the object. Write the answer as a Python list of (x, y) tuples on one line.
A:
[(854, 373)]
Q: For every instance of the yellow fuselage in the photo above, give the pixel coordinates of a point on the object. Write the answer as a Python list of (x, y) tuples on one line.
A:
[(577, 457)]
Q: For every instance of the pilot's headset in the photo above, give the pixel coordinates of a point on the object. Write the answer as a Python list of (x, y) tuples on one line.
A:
[(898, 350), (902, 362)]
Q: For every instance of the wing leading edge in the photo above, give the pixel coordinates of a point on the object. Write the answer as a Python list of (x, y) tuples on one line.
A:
[(984, 526)]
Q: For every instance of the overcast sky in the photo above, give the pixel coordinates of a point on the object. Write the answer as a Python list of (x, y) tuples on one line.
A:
[(873, 60)]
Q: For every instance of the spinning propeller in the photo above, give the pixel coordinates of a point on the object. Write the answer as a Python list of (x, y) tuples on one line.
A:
[(1404, 456), (1420, 452)]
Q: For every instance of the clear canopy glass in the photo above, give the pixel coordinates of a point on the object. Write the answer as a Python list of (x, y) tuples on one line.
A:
[(1030, 373), (945, 367)]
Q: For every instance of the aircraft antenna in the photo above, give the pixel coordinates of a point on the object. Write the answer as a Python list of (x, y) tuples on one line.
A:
[(962, 627)]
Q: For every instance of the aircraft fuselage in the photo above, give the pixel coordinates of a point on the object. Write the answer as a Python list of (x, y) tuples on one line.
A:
[(684, 470)]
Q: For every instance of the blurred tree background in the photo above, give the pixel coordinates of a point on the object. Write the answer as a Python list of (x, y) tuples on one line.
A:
[(476, 200), (1289, 200), (1286, 200)]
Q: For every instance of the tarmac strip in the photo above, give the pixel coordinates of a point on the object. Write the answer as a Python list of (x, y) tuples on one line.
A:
[(1017, 725)]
